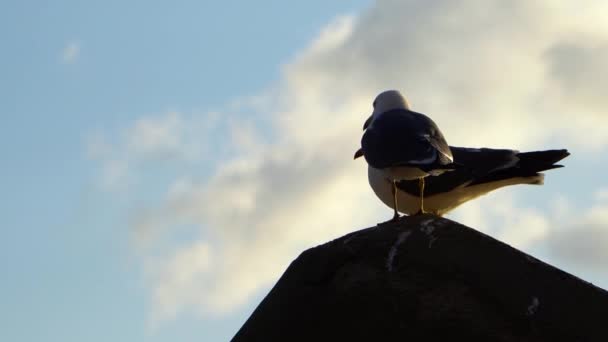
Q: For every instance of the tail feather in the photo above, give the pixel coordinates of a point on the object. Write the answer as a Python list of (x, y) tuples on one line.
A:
[(530, 164), (538, 161)]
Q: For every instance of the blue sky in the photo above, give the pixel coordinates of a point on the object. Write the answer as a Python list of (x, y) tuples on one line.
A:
[(69, 271), (163, 163)]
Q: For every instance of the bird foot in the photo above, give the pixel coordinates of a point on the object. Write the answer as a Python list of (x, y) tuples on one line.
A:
[(420, 212)]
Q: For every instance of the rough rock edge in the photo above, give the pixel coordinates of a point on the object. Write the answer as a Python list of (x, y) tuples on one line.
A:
[(430, 278)]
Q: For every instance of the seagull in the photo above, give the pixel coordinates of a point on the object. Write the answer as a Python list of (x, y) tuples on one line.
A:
[(403, 145), (482, 170)]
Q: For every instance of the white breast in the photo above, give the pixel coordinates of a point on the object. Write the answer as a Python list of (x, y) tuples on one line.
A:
[(404, 173)]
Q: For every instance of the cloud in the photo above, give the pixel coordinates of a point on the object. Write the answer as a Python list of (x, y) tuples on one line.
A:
[(166, 136), (572, 237), (583, 245), (500, 215), (602, 195), (577, 76), (260, 213), (70, 52), (490, 73), (575, 65), (582, 242), (169, 138), (180, 278), (488, 64)]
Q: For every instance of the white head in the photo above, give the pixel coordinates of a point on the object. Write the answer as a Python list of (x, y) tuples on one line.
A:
[(385, 101)]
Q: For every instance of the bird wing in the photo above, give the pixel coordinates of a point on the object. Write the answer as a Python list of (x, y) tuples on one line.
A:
[(527, 164), (485, 165), (475, 165), (445, 182), (481, 161), (435, 138), (404, 138)]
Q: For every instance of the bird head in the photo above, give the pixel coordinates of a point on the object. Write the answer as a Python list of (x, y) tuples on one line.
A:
[(385, 101)]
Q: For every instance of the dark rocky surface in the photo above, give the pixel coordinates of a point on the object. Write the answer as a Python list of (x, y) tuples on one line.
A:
[(426, 278)]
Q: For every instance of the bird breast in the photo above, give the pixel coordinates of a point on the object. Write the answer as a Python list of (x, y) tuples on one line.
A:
[(397, 173)]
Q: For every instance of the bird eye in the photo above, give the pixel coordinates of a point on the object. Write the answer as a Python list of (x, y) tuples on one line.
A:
[(374, 104)]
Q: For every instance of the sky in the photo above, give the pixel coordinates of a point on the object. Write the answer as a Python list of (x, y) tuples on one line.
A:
[(163, 163)]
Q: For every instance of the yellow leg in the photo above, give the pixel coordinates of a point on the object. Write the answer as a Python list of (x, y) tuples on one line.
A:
[(421, 188), (396, 216)]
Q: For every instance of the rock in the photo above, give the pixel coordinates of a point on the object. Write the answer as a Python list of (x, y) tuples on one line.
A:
[(426, 278)]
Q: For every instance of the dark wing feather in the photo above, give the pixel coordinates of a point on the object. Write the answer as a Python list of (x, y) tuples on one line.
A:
[(433, 185), (402, 138), (436, 138), (486, 165), (481, 161), (529, 164)]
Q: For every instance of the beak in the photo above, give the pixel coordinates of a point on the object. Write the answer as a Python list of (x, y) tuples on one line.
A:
[(359, 153), (367, 122)]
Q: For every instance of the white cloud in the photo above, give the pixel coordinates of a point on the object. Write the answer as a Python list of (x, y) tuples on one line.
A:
[(575, 237), (71, 52), (582, 246), (484, 63), (489, 72), (602, 195), (169, 137), (499, 215), (260, 213), (180, 277), (582, 243)]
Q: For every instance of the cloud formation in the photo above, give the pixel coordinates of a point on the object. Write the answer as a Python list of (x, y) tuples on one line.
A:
[(569, 236), (501, 216), (493, 73), (168, 138), (583, 243)]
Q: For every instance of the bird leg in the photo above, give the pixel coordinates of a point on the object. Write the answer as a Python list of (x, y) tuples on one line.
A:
[(421, 188), (394, 188)]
